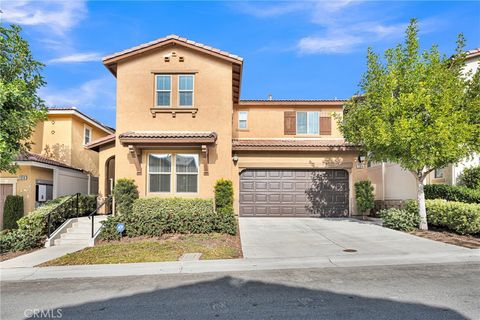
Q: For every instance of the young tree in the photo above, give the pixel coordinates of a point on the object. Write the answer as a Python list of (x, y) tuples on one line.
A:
[(20, 106), (416, 109)]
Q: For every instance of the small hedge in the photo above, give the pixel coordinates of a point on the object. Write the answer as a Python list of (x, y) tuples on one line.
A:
[(452, 193), (156, 216), (400, 219), (125, 193), (12, 211), (223, 193), (32, 228)]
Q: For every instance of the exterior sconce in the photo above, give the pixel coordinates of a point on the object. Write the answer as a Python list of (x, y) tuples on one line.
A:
[(235, 158), (361, 158)]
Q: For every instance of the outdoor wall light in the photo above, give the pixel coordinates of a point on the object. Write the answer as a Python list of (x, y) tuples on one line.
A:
[(361, 158), (235, 158)]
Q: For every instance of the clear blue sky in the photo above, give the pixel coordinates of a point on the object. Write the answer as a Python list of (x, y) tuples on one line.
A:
[(291, 49)]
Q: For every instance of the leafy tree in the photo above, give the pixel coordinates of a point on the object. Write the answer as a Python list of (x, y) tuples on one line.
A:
[(417, 109), (20, 106)]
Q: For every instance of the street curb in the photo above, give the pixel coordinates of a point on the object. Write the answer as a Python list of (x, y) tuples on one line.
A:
[(232, 265)]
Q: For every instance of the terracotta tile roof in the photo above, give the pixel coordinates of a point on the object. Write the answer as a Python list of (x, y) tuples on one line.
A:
[(177, 38), (292, 100), (166, 137), (473, 53), (30, 156), (292, 144), (95, 144), (74, 109)]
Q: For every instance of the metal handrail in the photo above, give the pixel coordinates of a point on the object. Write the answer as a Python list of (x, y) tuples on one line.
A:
[(67, 202), (92, 215)]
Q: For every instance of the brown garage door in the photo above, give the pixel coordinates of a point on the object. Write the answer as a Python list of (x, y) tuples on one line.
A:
[(293, 193)]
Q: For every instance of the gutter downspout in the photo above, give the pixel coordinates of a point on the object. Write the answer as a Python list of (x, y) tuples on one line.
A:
[(383, 181)]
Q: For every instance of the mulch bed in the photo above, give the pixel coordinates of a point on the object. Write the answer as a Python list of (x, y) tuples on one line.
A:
[(471, 242)]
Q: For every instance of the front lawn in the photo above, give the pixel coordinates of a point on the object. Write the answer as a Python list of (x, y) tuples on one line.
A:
[(166, 248)]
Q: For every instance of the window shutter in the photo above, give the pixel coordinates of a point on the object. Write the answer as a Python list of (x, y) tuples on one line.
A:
[(289, 123), (325, 125)]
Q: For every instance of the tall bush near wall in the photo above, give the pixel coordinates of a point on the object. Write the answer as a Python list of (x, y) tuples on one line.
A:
[(12, 211), (125, 193), (470, 178), (223, 193), (364, 196)]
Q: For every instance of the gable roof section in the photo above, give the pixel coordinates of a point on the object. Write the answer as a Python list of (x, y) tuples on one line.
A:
[(96, 144), (78, 113), (34, 157), (293, 102)]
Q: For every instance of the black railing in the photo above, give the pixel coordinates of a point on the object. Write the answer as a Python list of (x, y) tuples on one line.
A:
[(64, 211), (108, 207)]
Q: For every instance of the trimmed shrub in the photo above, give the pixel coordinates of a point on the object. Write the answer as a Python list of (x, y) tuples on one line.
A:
[(364, 195), (452, 193), (223, 193), (400, 219), (156, 216), (125, 193), (32, 228), (462, 218), (470, 178), (12, 211)]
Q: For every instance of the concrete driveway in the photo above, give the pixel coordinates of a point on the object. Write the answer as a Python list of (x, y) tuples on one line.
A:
[(313, 237)]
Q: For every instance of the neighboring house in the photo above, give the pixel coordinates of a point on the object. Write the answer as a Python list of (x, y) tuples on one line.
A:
[(58, 163), (181, 127), (393, 184)]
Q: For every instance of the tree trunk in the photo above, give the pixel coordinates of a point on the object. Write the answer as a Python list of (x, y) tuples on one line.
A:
[(422, 211)]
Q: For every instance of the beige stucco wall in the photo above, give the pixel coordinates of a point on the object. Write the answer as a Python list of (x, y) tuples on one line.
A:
[(212, 97), (268, 121), (37, 138), (26, 188)]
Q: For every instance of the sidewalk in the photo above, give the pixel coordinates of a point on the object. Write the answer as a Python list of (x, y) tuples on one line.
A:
[(37, 257), (205, 266)]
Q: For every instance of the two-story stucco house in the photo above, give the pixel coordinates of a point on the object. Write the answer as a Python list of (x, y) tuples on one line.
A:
[(181, 126), (58, 162)]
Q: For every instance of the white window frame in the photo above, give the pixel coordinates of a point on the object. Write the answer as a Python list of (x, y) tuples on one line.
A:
[(246, 120), (307, 112), (157, 91), (173, 173), (160, 173), (85, 129), (192, 91), (187, 173), (442, 176)]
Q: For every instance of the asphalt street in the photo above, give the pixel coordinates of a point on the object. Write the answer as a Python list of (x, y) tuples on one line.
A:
[(449, 291)]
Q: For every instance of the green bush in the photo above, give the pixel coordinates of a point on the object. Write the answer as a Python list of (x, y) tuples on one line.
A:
[(452, 193), (156, 216), (223, 193), (125, 193), (470, 178), (12, 211), (400, 219), (364, 196), (32, 228), (462, 218)]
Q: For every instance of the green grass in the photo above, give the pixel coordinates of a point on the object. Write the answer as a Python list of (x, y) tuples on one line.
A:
[(212, 246)]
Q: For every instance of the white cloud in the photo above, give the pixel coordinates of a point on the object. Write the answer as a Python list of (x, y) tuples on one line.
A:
[(96, 93), (56, 16), (77, 57), (328, 44), (263, 11)]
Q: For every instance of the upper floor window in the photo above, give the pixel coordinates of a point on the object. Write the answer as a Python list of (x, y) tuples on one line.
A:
[(439, 173), (242, 119), (87, 134), (163, 90), (308, 122), (185, 90)]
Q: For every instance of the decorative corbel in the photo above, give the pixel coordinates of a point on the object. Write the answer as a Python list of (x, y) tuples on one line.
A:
[(205, 158), (136, 156)]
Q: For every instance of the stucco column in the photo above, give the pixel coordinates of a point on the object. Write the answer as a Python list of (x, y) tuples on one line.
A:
[(55, 183)]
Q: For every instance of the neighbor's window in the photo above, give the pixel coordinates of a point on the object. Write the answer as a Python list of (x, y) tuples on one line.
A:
[(87, 135), (439, 173), (159, 172), (185, 90), (163, 90), (242, 119), (186, 167), (308, 123)]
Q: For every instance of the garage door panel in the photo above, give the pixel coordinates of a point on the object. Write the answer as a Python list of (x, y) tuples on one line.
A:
[(294, 192)]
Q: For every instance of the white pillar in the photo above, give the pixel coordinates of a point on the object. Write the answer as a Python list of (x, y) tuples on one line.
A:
[(55, 183)]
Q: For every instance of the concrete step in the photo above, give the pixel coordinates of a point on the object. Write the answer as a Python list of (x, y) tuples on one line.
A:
[(80, 236), (60, 242)]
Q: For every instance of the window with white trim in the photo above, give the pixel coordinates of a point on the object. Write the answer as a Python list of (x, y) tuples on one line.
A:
[(242, 119), (186, 169), (87, 134), (185, 90), (159, 172), (439, 173), (163, 87), (308, 122)]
